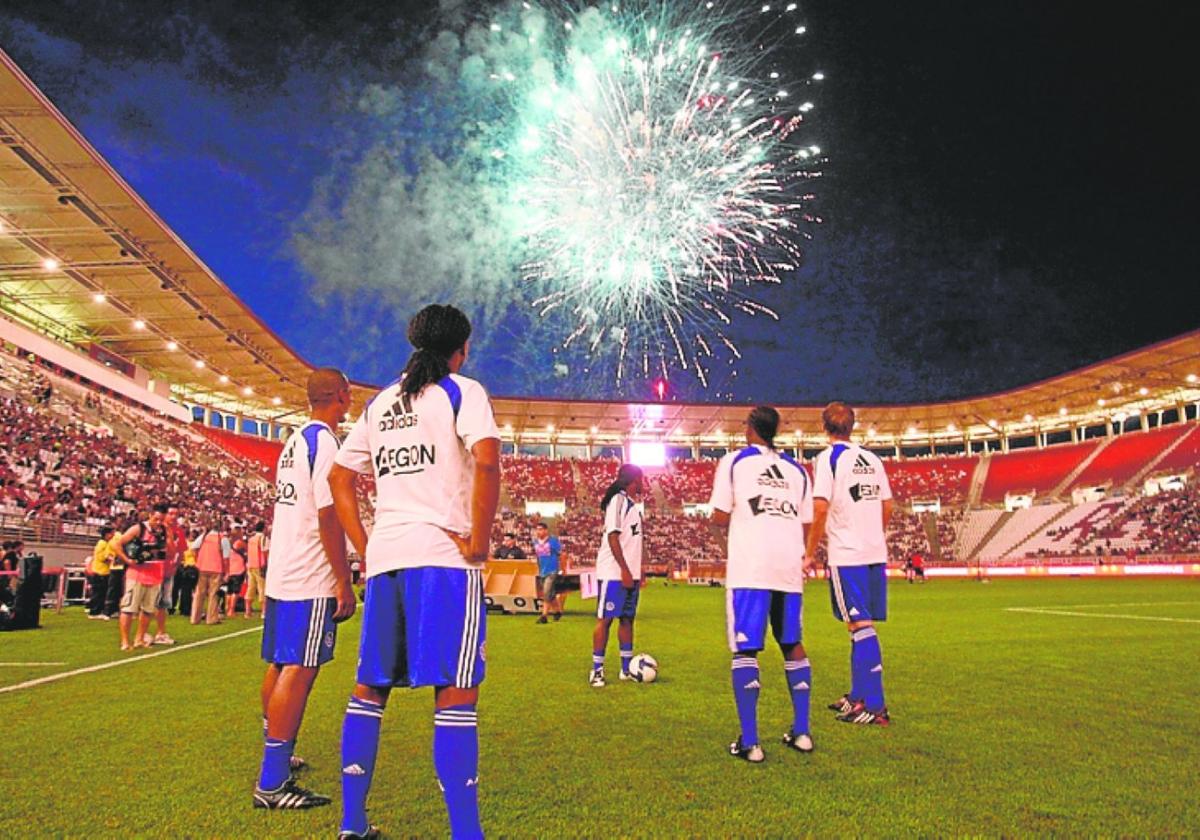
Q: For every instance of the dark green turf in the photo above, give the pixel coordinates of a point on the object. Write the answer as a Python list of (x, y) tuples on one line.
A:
[(1006, 723)]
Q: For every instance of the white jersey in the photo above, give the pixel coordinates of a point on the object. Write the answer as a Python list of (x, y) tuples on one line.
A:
[(768, 497), (419, 448), (298, 568), (623, 517), (853, 481)]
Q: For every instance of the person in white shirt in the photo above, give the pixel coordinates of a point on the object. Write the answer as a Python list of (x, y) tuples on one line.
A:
[(618, 570), (431, 441), (853, 503), (763, 498), (307, 588)]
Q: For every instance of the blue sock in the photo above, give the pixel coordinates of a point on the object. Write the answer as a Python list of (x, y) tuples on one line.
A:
[(456, 760), (597, 660), (799, 680), (745, 695), (867, 659), (626, 656), (277, 757), (360, 745)]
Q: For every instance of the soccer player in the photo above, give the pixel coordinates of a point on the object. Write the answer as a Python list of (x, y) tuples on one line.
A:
[(307, 589), (763, 499), (548, 550), (853, 502), (618, 570), (431, 440)]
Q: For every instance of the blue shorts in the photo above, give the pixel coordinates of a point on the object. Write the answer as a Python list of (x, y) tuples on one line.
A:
[(299, 632), (615, 601), (859, 593), (748, 610), (423, 626)]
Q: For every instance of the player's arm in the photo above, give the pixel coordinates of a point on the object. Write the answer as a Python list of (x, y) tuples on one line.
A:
[(614, 545), (721, 498), (333, 536), (887, 513), (345, 506), (485, 497), (816, 533), (718, 523)]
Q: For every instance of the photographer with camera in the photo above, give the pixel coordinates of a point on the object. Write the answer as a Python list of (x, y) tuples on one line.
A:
[(144, 549)]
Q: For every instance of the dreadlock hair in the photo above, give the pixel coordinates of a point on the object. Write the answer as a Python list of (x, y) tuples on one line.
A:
[(435, 333), (628, 474), (765, 421)]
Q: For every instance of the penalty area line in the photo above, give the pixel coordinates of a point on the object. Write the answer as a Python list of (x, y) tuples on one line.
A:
[(1040, 611), (116, 663)]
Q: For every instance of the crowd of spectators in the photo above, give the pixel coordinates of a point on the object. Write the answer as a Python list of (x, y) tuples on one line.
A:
[(687, 482), (921, 479), (1168, 523)]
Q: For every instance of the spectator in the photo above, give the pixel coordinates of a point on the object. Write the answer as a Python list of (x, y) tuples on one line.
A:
[(99, 571), (509, 550), (236, 575), (547, 549), (186, 576), (212, 561), (256, 562), (144, 548)]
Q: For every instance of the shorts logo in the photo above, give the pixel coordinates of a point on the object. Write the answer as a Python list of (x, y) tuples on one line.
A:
[(609, 605), (483, 651), (742, 637), (854, 611), (329, 639)]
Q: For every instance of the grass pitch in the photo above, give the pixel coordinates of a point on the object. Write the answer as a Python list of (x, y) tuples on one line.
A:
[(1006, 722)]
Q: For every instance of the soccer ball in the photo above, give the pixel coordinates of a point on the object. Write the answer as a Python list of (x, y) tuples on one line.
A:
[(644, 668)]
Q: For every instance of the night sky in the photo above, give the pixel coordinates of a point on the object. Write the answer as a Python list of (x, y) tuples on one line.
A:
[(1006, 197)]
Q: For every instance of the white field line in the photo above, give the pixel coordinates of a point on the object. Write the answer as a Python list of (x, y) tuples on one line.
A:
[(1042, 611), (1121, 604), (29, 664), (104, 666)]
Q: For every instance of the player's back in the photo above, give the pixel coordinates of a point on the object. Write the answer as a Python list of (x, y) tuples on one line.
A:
[(854, 482), (418, 448), (298, 568), (768, 497)]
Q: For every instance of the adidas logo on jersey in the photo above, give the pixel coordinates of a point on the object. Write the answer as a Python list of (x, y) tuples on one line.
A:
[(862, 466), (398, 416), (772, 476), (354, 770)]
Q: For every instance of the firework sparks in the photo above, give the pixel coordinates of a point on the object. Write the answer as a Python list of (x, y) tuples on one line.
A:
[(656, 172)]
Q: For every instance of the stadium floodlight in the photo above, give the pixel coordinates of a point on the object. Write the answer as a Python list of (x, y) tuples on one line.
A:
[(224, 379), (276, 401), (594, 430), (1028, 418), (800, 30), (50, 264), (912, 431), (1191, 378), (1100, 402), (1062, 412), (171, 345), (199, 364), (99, 297), (139, 324), (247, 391), (550, 427), (1143, 390), (951, 428), (817, 77), (648, 453)]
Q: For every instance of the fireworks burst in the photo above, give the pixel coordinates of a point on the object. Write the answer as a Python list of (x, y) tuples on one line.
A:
[(657, 175)]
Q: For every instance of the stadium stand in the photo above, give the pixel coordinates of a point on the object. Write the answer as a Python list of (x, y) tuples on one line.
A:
[(594, 477), (538, 478), (920, 479), (1122, 459), (1036, 470), (1185, 455), (264, 453), (688, 482), (1019, 527), (975, 527)]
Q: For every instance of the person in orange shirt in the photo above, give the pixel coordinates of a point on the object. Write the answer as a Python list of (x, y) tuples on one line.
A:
[(212, 559), (236, 573), (256, 563)]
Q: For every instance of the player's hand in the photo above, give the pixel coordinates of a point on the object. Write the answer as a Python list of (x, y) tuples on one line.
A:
[(346, 602), (810, 566), (626, 579), (464, 548)]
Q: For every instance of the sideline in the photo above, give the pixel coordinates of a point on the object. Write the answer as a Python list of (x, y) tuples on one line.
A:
[(104, 666), (1043, 611), (29, 664)]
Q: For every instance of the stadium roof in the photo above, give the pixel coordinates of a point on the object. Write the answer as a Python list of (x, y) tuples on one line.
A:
[(84, 259)]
